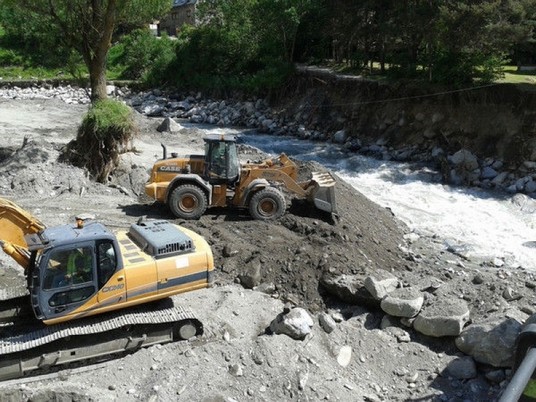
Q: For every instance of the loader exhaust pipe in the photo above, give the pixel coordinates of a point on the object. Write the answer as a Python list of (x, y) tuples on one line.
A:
[(164, 151)]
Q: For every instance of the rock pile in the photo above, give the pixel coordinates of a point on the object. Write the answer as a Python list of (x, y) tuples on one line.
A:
[(460, 168)]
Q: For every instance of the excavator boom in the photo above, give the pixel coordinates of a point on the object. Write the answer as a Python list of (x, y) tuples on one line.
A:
[(15, 223)]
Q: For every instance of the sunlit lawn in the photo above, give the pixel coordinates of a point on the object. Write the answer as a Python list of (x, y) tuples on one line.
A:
[(512, 76)]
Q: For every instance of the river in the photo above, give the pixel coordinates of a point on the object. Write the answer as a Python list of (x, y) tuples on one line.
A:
[(479, 224)]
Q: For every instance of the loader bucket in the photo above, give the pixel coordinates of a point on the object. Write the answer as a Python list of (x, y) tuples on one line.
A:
[(323, 194)]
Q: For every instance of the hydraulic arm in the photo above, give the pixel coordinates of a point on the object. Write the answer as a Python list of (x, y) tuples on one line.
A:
[(15, 223)]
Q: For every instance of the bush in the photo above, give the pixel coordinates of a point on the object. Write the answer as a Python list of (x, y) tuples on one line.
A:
[(462, 68), (141, 55), (9, 57), (105, 133)]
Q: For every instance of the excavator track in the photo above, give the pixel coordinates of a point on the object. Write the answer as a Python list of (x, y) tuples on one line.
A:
[(23, 351), (15, 309)]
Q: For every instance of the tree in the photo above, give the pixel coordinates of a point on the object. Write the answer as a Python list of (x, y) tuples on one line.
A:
[(278, 21), (87, 26)]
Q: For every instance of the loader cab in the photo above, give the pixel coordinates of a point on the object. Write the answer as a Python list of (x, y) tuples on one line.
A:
[(221, 159), (70, 271)]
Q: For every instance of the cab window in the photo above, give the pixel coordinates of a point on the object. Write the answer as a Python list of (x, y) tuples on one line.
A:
[(68, 267), (107, 262)]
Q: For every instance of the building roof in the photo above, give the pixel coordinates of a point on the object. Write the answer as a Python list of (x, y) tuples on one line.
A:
[(180, 3)]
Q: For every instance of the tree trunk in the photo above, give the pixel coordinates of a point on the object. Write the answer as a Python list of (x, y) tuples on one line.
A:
[(97, 79), (98, 53)]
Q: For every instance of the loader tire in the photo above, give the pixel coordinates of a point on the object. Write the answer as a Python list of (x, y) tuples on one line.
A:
[(188, 202), (267, 204)]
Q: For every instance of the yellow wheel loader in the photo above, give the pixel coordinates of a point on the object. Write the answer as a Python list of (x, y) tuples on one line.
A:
[(191, 184), (83, 271)]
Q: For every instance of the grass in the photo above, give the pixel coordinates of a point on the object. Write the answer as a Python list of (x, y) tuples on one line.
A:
[(511, 73), (513, 76), (16, 73)]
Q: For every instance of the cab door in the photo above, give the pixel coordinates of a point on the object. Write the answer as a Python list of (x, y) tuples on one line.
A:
[(64, 286), (111, 278)]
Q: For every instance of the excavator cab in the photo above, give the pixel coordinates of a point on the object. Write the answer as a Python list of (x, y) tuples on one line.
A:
[(70, 266), (221, 159)]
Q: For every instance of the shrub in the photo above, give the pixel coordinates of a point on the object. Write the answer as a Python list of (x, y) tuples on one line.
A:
[(105, 133), (140, 55)]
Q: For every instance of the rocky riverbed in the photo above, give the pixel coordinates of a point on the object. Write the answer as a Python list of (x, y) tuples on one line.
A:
[(306, 308)]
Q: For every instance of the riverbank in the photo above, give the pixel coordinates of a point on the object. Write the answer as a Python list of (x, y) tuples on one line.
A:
[(479, 136)]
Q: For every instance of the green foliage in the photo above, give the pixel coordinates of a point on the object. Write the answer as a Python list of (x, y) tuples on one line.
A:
[(9, 57), (108, 119), (446, 41), (241, 44), (26, 42), (252, 44), (88, 27), (141, 55), (106, 131)]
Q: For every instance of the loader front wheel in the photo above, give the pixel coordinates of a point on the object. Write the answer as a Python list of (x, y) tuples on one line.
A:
[(267, 204), (188, 202)]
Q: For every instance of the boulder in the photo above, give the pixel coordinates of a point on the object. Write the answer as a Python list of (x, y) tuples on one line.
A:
[(403, 302), (492, 341), (380, 283), (169, 125), (296, 323), (349, 288), (445, 317)]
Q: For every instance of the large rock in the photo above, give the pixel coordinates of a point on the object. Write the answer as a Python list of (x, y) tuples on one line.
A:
[(350, 289), (296, 323), (169, 125), (445, 317), (492, 341), (403, 302), (462, 368), (380, 283)]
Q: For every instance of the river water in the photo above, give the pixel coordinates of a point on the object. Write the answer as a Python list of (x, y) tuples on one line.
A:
[(476, 223)]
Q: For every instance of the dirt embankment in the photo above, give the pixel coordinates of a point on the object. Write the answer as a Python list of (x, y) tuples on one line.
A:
[(496, 121)]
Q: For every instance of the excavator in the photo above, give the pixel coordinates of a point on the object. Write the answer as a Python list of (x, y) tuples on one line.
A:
[(95, 293), (191, 184)]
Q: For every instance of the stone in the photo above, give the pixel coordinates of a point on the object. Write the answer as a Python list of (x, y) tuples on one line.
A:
[(169, 125), (445, 317), (339, 137), (488, 173), (297, 323), (327, 323), (349, 288), (462, 368), (491, 341), (437, 117), (252, 277), (530, 186), (152, 109), (345, 356), (464, 159), (380, 283), (403, 302), (499, 179)]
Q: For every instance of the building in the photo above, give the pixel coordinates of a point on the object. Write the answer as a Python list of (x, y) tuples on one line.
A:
[(182, 12)]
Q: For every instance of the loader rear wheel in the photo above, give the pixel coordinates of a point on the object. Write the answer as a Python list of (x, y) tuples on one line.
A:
[(267, 204), (188, 202)]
